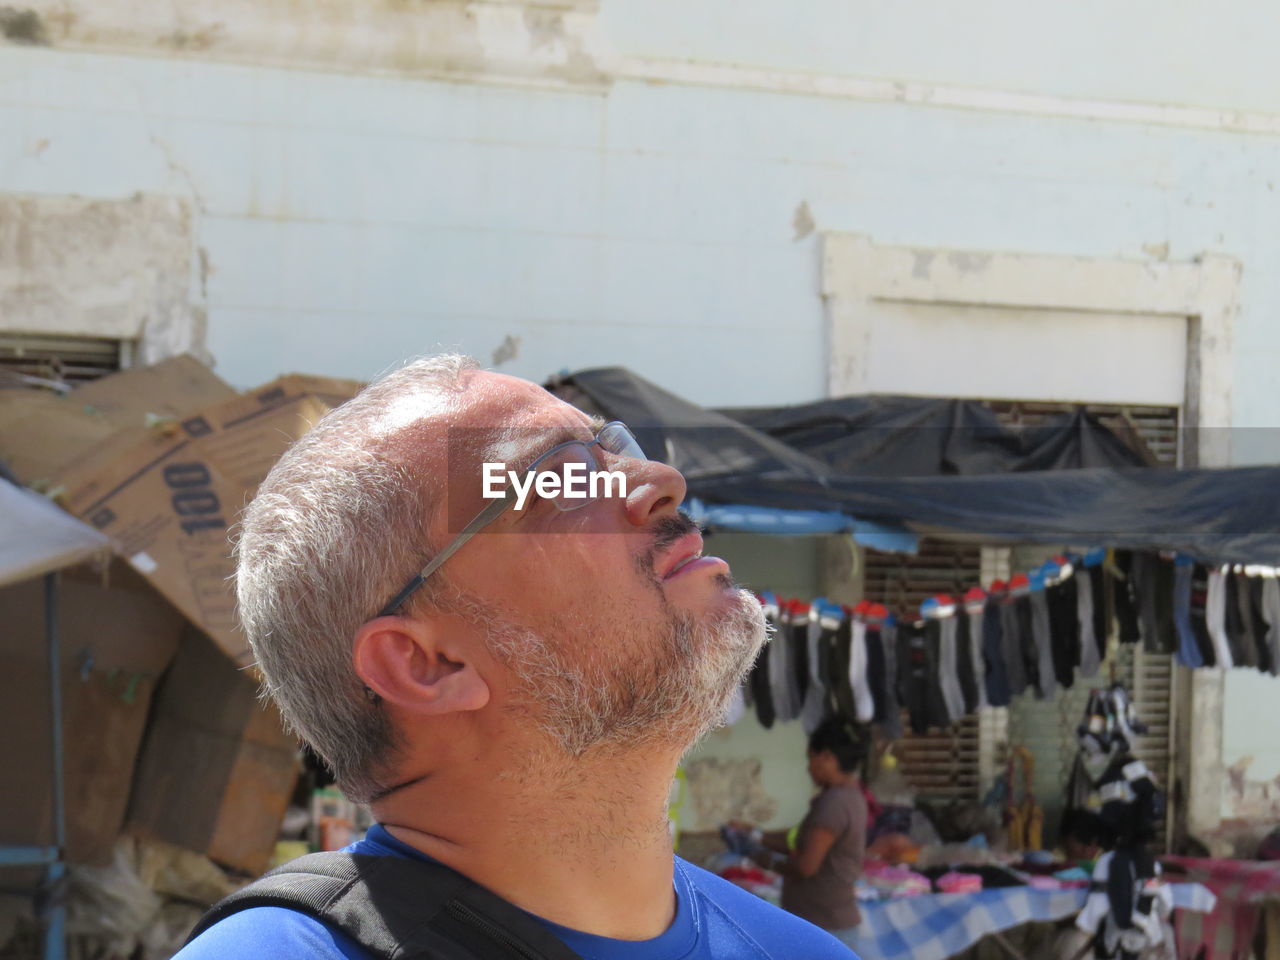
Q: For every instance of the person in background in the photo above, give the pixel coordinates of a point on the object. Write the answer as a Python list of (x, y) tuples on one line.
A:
[(1082, 836), (819, 873)]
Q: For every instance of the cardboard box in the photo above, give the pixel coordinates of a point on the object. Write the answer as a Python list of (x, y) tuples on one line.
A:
[(245, 435), (168, 498), (164, 476), (42, 433), (172, 388), (167, 509), (116, 642), (217, 769)]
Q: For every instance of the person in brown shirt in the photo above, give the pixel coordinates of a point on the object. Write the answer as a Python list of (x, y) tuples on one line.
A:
[(819, 874)]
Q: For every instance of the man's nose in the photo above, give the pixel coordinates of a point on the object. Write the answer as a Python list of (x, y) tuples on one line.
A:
[(653, 490)]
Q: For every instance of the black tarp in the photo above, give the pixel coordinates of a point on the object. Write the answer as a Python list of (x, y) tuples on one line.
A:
[(888, 436), (1230, 515)]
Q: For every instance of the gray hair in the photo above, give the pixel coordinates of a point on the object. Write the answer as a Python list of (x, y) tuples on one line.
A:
[(337, 528)]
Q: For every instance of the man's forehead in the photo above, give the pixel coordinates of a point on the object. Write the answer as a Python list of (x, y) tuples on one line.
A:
[(494, 399), (504, 417)]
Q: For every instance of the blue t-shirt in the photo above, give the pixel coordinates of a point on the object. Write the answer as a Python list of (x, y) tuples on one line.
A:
[(715, 920)]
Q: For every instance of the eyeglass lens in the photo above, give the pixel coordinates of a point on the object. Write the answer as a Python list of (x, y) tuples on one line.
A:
[(614, 438), (617, 439)]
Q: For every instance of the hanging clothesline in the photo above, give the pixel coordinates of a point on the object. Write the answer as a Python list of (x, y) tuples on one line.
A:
[(1038, 631)]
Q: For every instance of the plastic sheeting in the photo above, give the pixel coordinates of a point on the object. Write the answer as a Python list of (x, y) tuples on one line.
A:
[(885, 436), (750, 518), (37, 538), (1229, 515)]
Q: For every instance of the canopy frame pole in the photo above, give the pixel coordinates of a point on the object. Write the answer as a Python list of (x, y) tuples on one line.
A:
[(55, 912)]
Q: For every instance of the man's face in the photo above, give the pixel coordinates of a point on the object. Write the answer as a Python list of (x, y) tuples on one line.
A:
[(604, 640)]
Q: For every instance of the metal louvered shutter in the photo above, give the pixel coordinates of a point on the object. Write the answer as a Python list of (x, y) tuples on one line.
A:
[(1150, 679), (940, 764), (1152, 428), (1048, 727), (66, 360)]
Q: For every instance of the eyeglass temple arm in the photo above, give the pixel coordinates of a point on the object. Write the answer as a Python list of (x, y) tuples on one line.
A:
[(482, 519)]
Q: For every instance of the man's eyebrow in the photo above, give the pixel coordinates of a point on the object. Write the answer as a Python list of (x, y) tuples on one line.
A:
[(541, 440)]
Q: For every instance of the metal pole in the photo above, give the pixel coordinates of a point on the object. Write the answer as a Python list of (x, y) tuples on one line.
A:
[(55, 926)]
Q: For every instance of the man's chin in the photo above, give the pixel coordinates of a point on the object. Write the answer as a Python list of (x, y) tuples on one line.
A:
[(687, 693), (745, 620)]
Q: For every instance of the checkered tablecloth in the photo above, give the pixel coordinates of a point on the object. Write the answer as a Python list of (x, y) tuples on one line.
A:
[(1243, 889), (936, 926)]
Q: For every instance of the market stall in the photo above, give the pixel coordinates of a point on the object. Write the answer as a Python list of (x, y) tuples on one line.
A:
[(1181, 564)]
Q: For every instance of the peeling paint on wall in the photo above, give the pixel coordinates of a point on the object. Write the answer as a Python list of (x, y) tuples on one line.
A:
[(802, 223), (1246, 799), (556, 41), (969, 262), (508, 349), (117, 269), (23, 26)]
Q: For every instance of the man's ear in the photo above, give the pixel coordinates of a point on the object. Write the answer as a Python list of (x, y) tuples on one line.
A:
[(419, 665)]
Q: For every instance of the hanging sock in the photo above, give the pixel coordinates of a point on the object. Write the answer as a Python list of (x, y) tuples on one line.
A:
[(916, 667), (889, 709), (1188, 649), (1166, 640), (1020, 588), (1244, 651), (964, 664), (1271, 613), (781, 683), (878, 677), (1125, 597), (1152, 586), (842, 652), (997, 676), (864, 706), (761, 697), (1089, 658), (814, 710), (1216, 617), (939, 613), (1011, 642), (761, 687), (798, 655), (1199, 616), (1064, 624), (1094, 564), (1046, 680), (975, 601), (1252, 588)]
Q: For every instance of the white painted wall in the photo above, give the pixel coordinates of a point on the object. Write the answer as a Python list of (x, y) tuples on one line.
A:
[(349, 219), (1194, 52), (1048, 355)]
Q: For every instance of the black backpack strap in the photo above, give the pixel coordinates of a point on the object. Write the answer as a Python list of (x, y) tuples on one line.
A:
[(397, 907)]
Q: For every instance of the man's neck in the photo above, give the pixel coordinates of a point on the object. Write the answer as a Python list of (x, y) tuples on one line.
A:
[(583, 843)]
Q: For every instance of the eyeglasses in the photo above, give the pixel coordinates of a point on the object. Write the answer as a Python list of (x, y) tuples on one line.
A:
[(613, 438)]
